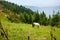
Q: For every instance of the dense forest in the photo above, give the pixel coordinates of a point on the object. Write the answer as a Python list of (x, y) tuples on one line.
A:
[(21, 14)]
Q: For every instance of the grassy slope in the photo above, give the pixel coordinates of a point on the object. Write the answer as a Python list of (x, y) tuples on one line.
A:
[(20, 31)]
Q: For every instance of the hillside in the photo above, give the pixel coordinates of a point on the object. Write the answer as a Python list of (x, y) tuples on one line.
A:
[(4, 13), (21, 31), (13, 11), (16, 23), (21, 14), (16, 8)]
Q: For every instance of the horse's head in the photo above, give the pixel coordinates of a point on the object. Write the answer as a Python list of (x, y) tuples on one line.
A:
[(32, 24)]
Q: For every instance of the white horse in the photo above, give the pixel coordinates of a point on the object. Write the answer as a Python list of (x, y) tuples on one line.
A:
[(35, 24)]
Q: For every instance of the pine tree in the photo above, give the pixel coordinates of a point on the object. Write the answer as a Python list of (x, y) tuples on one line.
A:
[(55, 19), (43, 19), (36, 17)]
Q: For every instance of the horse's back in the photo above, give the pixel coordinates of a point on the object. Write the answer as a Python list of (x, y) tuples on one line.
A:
[(36, 24)]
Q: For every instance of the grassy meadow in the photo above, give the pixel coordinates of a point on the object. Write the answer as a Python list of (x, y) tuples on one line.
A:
[(21, 31)]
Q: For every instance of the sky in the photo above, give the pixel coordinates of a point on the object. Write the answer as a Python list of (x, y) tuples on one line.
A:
[(38, 3)]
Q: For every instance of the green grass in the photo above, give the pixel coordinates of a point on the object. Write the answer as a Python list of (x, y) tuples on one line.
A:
[(21, 31)]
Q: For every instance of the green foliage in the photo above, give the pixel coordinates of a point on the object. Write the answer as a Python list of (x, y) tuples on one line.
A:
[(13, 18), (36, 17), (2, 0), (22, 19), (15, 8), (49, 20), (30, 20), (43, 18), (55, 19), (26, 18)]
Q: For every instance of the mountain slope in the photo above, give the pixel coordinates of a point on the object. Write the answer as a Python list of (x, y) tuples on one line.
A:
[(15, 8), (12, 11)]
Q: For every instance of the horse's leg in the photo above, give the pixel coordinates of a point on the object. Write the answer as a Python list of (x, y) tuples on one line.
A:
[(32, 25)]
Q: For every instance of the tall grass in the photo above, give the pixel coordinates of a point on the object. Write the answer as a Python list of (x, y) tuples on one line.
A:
[(21, 31)]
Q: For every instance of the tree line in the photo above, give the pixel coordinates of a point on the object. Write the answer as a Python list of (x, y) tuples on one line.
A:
[(53, 20)]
